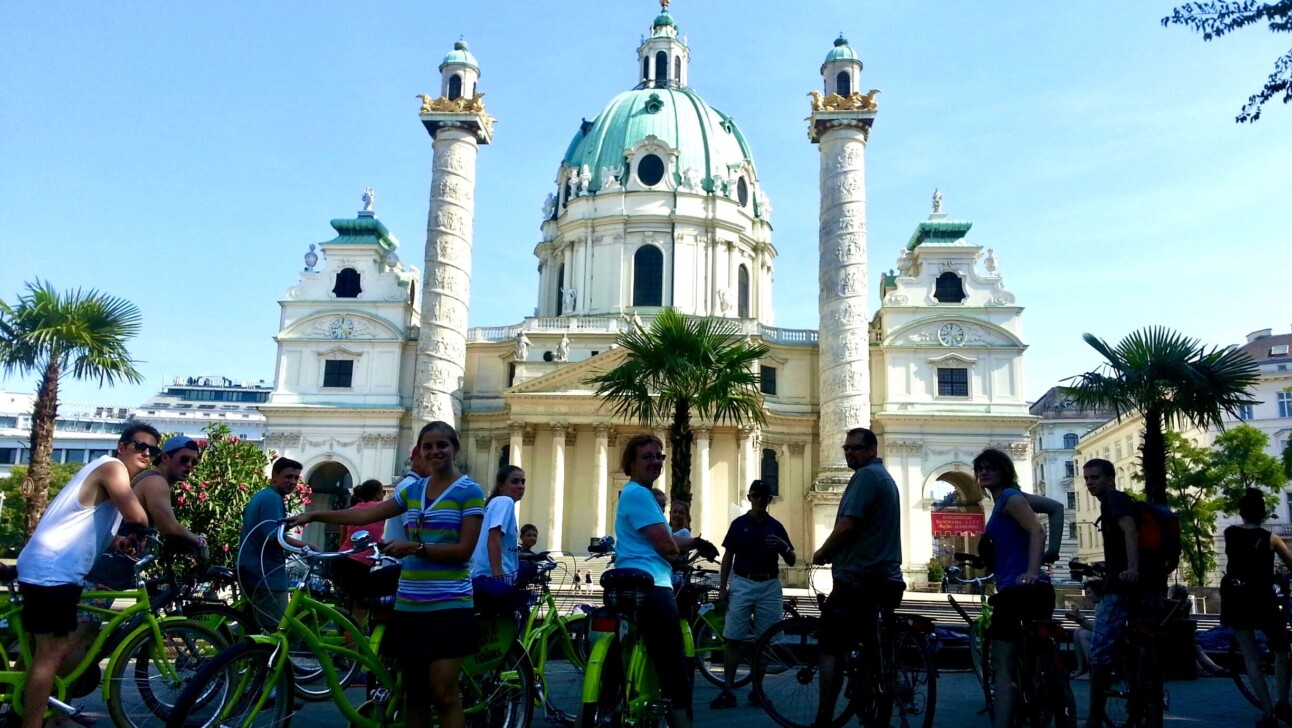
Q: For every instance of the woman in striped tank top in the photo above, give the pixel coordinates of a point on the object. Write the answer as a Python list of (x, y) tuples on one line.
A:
[(434, 625)]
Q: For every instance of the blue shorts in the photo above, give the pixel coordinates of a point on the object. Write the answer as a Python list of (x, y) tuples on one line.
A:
[(1111, 617)]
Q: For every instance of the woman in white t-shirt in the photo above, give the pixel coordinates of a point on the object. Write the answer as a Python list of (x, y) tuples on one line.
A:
[(496, 551)]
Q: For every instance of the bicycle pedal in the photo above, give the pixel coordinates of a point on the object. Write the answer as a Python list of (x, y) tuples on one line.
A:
[(379, 696), (658, 708)]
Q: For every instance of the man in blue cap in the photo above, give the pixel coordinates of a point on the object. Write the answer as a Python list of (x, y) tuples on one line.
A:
[(179, 457)]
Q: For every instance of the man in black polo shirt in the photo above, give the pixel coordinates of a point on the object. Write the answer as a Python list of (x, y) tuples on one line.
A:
[(752, 549)]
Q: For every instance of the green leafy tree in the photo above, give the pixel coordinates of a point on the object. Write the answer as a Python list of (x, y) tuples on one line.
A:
[(680, 368), (48, 335), (211, 502), (1170, 380), (1239, 462), (1192, 494), (13, 522), (1216, 18)]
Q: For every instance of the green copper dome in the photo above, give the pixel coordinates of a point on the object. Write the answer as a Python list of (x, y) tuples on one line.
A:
[(706, 139), (841, 51), (460, 54), (663, 19)]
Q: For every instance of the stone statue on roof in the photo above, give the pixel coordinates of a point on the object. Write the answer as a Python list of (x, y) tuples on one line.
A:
[(563, 348), (522, 346), (367, 199), (937, 201)]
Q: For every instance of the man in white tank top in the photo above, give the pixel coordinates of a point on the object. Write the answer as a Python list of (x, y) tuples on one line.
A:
[(78, 526)]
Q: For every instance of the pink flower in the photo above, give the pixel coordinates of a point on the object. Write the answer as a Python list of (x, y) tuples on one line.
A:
[(180, 500), (186, 486), (242, 487), (233, 439), (305, 501), (226, 548), (201, 497), (301, 488), (205, 484), (202, 443)]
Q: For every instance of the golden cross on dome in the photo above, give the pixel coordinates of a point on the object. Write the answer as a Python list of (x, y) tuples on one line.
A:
[(663, 4)]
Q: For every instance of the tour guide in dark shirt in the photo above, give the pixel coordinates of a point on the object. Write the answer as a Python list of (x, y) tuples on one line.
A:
[(866, 553)]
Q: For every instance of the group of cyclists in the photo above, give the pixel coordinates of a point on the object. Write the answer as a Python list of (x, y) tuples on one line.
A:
[(458, 549)]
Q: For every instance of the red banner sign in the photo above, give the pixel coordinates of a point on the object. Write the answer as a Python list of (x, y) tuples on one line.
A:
[(957, 524)]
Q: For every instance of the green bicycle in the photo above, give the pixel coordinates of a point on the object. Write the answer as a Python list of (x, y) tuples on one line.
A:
[(151, 659), (553, 634), (250, 683)]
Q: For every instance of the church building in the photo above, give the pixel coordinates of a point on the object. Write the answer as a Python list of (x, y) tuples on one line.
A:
[(656, 203)]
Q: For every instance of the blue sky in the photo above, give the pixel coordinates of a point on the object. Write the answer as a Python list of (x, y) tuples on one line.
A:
[(184, 156)]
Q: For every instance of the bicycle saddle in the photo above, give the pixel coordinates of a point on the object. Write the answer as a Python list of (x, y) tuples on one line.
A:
[(220, 572), (8, 572), (625, 589)]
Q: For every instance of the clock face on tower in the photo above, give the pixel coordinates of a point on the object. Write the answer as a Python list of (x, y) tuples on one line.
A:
[(341, 328), (951, 335)]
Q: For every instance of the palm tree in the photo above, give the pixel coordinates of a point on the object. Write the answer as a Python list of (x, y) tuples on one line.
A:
[(1169, 379), (684, 367), (47, 334)]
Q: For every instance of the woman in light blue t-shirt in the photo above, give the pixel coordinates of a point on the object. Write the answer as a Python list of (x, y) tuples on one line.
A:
[(644, 541)]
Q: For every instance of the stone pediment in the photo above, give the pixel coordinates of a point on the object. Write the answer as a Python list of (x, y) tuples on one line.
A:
[(571, 378), (951, 333), (342, 325)]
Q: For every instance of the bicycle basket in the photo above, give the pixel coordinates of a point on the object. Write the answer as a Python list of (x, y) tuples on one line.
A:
[(624, 590)]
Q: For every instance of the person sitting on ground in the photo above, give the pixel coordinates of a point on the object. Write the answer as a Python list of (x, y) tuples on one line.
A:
[(1093, 591), (78, 526)]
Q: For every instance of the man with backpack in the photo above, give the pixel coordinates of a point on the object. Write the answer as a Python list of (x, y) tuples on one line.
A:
[(1141, 549)]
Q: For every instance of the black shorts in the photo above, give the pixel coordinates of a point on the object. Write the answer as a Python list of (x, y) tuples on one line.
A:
[(1010, 607), (420, 638), (851, 613), (50, 609), (1256, 613)]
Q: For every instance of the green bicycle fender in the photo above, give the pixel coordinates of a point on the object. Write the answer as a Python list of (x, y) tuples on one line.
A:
[(116, 656), (571, 624), (596, 661), (688, 640)]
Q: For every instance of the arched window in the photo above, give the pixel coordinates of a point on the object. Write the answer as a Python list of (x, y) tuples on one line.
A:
[(770, 473), (742, 292), (1070, 441), (455, 87), (949, 288), (560, 289), (504, 458), (677, 70), (645, 68), (648, 276), (661, 69), (412, 293), (347, 284), (843, 83)]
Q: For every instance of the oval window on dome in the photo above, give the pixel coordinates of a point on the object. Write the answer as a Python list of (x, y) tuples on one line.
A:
[(650, 170), (742, 192)]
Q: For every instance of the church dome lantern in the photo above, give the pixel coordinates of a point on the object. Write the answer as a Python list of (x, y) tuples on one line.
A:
[(841, 69), (459, 73)]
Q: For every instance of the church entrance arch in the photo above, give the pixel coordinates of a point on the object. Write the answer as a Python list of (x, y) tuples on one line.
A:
[(957, 512), (331, 483)]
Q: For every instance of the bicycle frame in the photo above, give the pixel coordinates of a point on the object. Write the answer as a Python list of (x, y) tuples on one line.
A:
[(641, 686), (537, 633)]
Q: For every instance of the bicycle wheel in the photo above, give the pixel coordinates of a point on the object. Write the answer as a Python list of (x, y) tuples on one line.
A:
[(236, 687), (148, 676), (914, 693), (502, 697), (1045, 695), (309, 676), (1238, 667), (786, 666), (232, 624), (710, 656), (608, 709), (978, 645)]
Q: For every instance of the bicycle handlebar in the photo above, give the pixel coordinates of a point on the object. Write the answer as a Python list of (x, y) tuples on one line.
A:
[(363, 544)]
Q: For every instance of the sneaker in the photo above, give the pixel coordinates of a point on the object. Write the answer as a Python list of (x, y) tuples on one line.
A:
[(725, 699), (1283, 712)]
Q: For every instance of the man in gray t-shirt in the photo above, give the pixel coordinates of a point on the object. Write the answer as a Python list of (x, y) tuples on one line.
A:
[(866, 553)]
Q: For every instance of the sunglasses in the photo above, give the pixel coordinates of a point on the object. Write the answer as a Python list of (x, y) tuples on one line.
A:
[(649, 458), (187, 460), (141, 446), (853, 448)]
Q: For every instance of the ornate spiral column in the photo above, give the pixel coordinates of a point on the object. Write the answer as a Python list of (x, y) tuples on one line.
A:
[(844, 360), (441, 344)]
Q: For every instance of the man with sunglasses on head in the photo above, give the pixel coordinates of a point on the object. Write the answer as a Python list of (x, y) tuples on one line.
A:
[(866, 556), (179, 456), (78, 526)]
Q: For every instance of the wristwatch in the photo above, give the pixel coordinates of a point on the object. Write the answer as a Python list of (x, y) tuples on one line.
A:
[(421, 550)]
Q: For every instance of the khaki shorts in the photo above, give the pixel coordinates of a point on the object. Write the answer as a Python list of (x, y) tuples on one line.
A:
[(752, 607)]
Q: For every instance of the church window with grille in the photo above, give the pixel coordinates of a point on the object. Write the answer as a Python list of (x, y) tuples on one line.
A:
[(742, 292), (949, 288), (661, 69), (648, 276), (347, 284), (953, 382), (843, 83), (767, 379), (455, 87), (338, 373), (771, 471)]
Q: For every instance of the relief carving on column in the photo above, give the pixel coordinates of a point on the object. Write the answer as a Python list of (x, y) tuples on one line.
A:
[(744, 433), (1016, 450), (602, 431), (571, 437), (797, 448), (527, 436), (904, 446), (483, 442), (559, 430)]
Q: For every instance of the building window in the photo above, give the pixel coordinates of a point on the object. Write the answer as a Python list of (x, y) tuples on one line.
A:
[(677, 70), (1072, 500), (96, 454), (953, 382), (560, 290), (645, 68), (771, 471), (949, 288), (843, 84), (648, 276), (1244, 412), (1069, 469), (742, 292), (1070, 441), (8, 455), (56, 455), (1072, 529), (1285, 404), (742, 192), (338, 373), (650, 170), (767, 379), (661, 69), (347, 284), (455, 87), (504, 457)]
